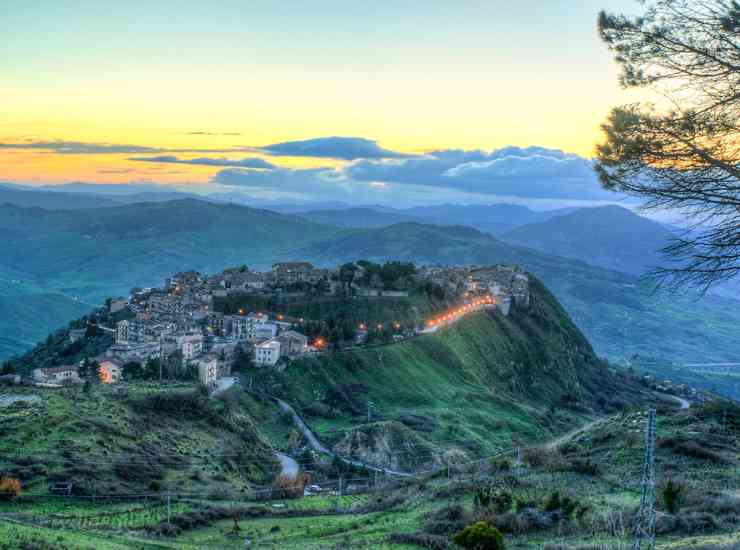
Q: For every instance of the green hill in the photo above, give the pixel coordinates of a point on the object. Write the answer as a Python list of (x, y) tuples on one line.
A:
[(619, 315), (467, 389), (52, 258), (63, 258)]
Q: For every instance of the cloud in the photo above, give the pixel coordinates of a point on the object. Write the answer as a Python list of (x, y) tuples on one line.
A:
[(341, 148), (116, 171), (532, 172), (249, 162), (85, 148), (80, 148), (450, 174), (202, 133), (310, 181)]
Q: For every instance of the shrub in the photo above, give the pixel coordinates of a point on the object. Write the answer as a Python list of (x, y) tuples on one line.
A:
[(553, 502), (447, 520), (671, 493), (138, 471), (10, 488), (420, 539), (502, 502), (689, 448), (480, 536), (585, 467)]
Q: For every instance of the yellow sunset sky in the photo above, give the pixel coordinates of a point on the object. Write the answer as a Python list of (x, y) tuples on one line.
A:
[(415, 76)]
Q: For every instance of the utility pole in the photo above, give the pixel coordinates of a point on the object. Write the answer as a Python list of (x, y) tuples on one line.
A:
[(341, 480), (370, 406), (169, 508), (645, 520)]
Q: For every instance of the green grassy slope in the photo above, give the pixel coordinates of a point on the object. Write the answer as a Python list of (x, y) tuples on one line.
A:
[(146, 439), (472, 386)]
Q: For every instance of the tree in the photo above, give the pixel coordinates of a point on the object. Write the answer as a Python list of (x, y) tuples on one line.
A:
[(132, 370), (480, 536), (682, 152)]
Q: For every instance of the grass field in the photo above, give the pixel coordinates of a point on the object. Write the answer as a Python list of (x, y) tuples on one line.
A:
[(437, 507)]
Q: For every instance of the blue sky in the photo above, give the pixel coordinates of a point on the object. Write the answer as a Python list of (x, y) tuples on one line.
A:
[(208, 87)]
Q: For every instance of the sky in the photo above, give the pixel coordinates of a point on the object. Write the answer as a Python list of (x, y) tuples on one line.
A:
[(382, 101)]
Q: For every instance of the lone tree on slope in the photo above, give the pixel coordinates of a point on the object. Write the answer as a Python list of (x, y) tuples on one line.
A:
[(683, 151)]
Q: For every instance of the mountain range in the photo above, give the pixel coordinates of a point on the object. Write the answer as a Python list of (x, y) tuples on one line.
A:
[(55, 263)]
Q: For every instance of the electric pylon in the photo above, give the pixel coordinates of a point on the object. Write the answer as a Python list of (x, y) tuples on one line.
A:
[(645, 520)]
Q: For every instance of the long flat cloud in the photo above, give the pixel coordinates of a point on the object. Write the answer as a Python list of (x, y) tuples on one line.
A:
[(90, 148), (341, 148), (249, 162), (529, 173)]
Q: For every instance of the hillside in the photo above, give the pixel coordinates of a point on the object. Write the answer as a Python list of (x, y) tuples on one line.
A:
[(66, 258), (463, 391), (619, 315), (608, 236), (143, 439)]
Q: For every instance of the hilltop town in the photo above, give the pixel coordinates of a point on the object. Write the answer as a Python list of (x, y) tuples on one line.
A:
[(200, 325)]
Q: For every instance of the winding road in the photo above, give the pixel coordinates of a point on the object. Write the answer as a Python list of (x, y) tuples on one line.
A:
[(316, 445)]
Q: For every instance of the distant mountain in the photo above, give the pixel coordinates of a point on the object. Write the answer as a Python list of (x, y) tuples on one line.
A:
[(52, 200), (491, 218), (64, 258), (106, 189), (363, 218), (607, 236), (60, 258)]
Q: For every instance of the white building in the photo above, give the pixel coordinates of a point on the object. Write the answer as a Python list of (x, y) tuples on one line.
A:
[(267, 353), (191, 346), (208, 370), (67, 374), (265, 331)]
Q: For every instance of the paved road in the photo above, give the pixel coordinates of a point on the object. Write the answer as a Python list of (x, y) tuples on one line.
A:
[(320, 447), (456, 318), (568, 436), (683, 403)]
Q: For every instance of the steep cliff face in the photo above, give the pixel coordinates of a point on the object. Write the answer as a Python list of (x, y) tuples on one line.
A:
[(473, 387)]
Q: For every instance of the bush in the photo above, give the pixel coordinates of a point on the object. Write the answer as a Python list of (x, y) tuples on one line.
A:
[(10, 488), (480, 536), (585, 467), (671, 493), (138, 471), (420, 539), (447, 520), (689, 448)]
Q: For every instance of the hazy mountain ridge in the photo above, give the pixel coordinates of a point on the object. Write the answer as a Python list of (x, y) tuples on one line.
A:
[(94, 253), (607, 236)]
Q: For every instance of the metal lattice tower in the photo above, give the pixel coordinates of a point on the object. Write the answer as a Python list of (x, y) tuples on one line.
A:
[(645, 520)]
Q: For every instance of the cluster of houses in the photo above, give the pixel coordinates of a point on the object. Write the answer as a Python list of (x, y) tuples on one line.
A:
[(179, 318), (507, 284)]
